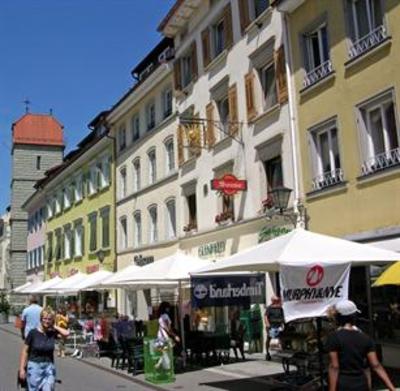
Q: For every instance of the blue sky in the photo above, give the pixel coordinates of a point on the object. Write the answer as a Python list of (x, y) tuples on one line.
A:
[(71, 56)]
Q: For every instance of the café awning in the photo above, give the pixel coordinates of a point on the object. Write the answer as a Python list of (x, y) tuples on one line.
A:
[(46, 285), (301, 247)]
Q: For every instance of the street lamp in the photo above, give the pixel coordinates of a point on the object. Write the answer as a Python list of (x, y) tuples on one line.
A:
[(280, 200)]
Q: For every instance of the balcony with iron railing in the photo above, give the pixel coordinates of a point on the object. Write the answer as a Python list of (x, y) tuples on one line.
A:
[(364, 44), (382, 161), (317, 74), (327, 179)]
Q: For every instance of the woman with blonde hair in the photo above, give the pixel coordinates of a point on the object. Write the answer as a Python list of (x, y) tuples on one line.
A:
[(37, 355)]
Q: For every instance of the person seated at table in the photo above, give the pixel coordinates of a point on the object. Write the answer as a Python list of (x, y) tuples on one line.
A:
[(237, 334)]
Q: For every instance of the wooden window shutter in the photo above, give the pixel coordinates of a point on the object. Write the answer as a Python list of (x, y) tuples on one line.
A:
[(181, 156), (228, 26), (210, 125), (250, 103), (280, 71), (244, 14), (177, 75), (205, 40), (233, 110), (193, 54)]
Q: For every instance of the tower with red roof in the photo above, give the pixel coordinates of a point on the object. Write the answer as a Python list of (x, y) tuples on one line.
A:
[(37, 146)]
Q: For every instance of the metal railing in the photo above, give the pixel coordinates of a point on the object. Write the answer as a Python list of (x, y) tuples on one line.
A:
[(381, 161), (373, 38), (327, 179), (317, 73)]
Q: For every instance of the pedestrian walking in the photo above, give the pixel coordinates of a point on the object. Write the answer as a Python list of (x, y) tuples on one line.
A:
[(37, 355), (351, 352), (30, 316), (165, 336), (62, 321), (237, 334), (274, 322)]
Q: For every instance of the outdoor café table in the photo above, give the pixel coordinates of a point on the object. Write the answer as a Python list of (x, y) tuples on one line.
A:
[(208, 343)]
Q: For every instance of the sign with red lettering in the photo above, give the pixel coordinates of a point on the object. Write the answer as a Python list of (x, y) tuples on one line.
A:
[(229, 185)]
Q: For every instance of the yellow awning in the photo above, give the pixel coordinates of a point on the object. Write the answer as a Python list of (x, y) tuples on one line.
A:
[(391, 276)]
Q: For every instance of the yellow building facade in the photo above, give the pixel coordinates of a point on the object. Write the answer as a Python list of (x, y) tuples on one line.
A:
[(80, 211), (346, 88)]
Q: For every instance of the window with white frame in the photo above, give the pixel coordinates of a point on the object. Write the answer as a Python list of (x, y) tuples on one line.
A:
[(93, 179), (104, 171), (58, 246), (152, 166), (137, 218), (171, 219), (105, 227), (379, 134), (78, 188), (124, 233), (151, 115), (325, 156), (92, 232), (43, 253), (167, 102), (273, 172), (135, 127), (58, 202), (122, 138), (170, 156), (49, 247), (268, 84), (49, 205), (318, 63), (67, 243), (136, 175), (78, 239), (365, 16), (153, 224), (317, 49), (67, 198), (366, 25), (122, 183)]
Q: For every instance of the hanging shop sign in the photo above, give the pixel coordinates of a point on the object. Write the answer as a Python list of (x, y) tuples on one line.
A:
[(309, 290), (212, 249), (229, 185), (140, 260), (219, 291)]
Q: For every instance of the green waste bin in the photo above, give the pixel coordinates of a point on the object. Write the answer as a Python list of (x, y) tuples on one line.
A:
[(158, 361)]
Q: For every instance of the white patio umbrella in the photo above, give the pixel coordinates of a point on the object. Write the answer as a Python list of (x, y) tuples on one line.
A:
[(90, 281), (46, 285), (175, 268), (301, 247), (20, 288), (30, 288), (68, 283), (170, 270)]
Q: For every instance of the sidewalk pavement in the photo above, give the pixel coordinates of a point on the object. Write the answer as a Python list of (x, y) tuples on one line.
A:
[(234, 376)]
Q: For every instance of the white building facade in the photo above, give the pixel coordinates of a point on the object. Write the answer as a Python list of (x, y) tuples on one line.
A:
[(144, 124), (232, 100)]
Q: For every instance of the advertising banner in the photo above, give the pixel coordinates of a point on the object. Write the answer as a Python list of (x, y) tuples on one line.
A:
[(308, 291), (218, 291)]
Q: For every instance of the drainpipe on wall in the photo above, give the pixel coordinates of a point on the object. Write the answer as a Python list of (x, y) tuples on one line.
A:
[(300, 212)]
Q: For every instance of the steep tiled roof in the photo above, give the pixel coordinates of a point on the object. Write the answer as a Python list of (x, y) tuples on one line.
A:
[(38, 129)]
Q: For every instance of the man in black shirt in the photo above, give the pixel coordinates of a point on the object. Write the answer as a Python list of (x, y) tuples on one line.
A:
[(350, 352)]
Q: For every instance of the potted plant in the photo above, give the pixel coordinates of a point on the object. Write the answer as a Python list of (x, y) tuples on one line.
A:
[(4, 308)]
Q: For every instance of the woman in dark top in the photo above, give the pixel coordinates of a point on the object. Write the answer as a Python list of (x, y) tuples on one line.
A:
[(350, 353), (37, 356)]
